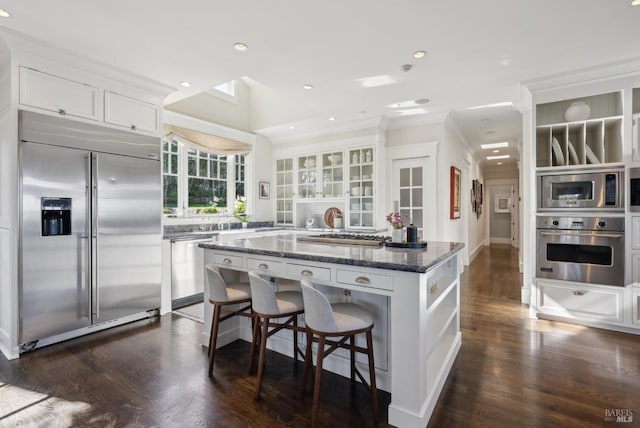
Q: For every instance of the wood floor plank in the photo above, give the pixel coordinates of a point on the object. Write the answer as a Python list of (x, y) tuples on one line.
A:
[(512, 371)]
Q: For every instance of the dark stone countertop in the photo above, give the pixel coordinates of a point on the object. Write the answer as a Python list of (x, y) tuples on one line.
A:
[(286, 245)]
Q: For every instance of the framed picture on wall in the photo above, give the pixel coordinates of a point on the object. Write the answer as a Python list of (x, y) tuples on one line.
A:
[(454, 211), (502, 204), (263, 190)]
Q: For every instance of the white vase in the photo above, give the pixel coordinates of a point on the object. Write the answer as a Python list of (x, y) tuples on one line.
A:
[(396, 235), (244, 225), (578, 110)]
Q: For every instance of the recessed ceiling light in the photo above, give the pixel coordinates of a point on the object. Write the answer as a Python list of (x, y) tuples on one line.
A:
[(419, 54), (495, 145), (292, 127), (363, 112), (241, 47), (396, 105), (307, 86), (4, 14), (498, 157), (490, 132), (185, 84), (496, 151), (332, 118), (422, 101), (499, 163)]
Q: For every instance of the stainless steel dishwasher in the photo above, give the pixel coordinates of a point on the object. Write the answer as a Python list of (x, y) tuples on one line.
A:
[(187, 271)]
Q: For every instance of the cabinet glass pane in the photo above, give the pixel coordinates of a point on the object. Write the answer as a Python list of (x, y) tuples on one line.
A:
[(416, 176), (417, 197), (405, 197), (405, 177)]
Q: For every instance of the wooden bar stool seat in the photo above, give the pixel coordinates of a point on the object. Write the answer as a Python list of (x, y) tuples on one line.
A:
[(224, 293), (325, 321), (270, 305)]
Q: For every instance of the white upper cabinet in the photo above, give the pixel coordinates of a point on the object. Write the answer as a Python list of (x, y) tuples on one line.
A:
[(131, 113), (57, 94), (361, 186)]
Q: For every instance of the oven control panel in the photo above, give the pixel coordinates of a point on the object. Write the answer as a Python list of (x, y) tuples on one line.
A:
[(581, 223)]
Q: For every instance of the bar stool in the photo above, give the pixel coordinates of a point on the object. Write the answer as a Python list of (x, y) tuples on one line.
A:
[(223, 293), (326, 320), (267, 305)]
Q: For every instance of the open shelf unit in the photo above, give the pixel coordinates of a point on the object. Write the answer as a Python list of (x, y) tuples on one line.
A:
[(595, 140)]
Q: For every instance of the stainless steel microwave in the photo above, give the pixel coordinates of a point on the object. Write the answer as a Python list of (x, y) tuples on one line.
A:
[(593, 190)]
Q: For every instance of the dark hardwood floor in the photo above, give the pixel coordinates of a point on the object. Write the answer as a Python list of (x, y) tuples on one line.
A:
[(511, 372)]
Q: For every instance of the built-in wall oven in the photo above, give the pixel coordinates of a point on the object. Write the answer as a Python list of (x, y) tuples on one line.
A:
[(581, 249), (587, 190)]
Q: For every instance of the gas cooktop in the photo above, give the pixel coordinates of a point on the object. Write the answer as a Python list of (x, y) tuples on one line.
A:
[(345, 238)]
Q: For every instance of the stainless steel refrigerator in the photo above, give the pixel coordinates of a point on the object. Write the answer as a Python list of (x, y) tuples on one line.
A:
[(90, 228)]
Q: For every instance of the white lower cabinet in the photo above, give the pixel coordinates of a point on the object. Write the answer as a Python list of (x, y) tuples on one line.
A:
[(635, 310), (589, 302)]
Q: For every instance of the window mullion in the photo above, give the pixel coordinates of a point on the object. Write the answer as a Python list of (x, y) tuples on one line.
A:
[(183, 181)]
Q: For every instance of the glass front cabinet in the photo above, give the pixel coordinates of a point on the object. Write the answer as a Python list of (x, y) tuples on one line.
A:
[(361, 189), (284, 192), (344, 178), (332, 175)]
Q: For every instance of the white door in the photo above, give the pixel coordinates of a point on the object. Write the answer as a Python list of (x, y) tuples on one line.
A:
[(410, 193)]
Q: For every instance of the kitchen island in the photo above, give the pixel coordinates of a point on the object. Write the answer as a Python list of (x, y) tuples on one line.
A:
[(414, 294)]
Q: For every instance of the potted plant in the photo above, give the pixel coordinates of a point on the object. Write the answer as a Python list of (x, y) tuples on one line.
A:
[(239, 211), (395, 220)]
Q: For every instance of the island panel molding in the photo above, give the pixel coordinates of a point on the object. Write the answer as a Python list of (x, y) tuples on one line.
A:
[(403, 287)]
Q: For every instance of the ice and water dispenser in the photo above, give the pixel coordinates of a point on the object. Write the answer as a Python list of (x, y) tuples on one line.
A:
[(56, 216)]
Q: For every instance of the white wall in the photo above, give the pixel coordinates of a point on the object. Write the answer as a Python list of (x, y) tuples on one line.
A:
[(218, 110), (452, 150), (469, 229), (262, 161), (268, 107), (8, 207)]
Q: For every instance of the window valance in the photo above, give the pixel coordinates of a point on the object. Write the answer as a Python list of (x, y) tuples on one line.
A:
[(210, 143)]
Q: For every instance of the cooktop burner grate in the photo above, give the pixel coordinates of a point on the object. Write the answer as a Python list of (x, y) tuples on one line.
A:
[(345, 238)]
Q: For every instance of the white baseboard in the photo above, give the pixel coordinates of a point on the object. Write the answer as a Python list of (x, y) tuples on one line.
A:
[(475, 252), (10, 352), (500, 240)]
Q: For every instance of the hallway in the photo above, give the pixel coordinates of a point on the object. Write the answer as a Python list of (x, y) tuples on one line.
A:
[(516, 371)]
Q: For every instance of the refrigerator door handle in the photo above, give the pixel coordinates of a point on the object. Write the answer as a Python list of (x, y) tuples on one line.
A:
[(95, 291)]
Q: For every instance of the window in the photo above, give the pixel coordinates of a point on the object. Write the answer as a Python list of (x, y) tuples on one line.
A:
[(240, 176), (170, 174), (197, 179)]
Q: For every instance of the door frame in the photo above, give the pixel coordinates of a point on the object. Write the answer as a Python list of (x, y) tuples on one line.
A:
[(409, 151), (513, 182)]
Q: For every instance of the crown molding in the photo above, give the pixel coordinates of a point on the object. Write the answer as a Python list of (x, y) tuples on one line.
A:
[(613, 70), (22, 43), (418, 120)]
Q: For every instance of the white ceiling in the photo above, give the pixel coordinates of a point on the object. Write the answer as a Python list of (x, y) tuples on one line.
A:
[(477, 52)]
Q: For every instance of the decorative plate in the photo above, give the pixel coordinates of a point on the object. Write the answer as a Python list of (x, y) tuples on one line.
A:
[(330, 214)]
